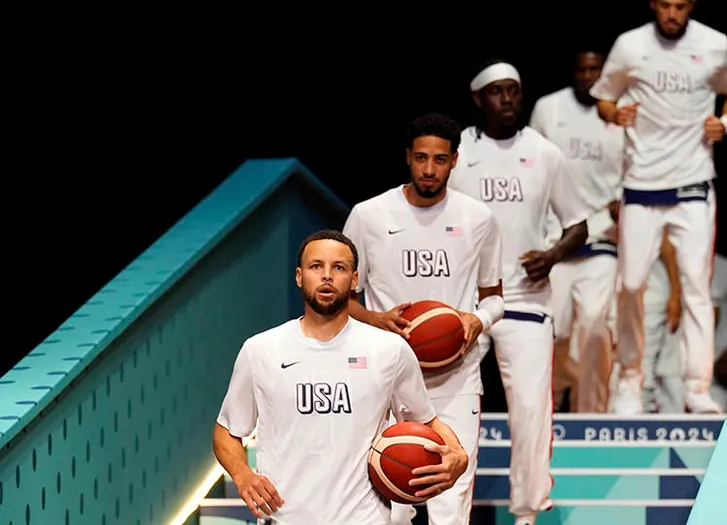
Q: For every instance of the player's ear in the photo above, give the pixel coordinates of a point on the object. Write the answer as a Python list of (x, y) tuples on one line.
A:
[(354, 281), (408, 156), (455, 157), (298, 277), (477, 99)]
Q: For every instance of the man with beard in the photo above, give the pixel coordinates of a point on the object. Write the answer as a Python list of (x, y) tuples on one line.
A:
[(584, 284), (659, 82), (422, 241), (322, 387), (519, 174)]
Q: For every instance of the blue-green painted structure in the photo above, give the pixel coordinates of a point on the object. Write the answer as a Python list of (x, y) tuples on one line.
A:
[(109, 420)]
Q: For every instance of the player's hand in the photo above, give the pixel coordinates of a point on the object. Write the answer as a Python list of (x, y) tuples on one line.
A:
[(472, 328), (538, 264), (259, 494), (626, 115), (674, 311), (713, 129), (441, 477), (393, 321)]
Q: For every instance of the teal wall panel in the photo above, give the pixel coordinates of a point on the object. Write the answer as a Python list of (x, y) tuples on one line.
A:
[(128, 438)]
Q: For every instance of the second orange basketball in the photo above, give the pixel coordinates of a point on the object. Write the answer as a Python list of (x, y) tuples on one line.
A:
[(436, 334)]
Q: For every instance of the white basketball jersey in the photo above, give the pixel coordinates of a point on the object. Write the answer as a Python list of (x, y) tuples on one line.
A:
[(675, 84), (594, 154), (443, 253), (320, 406), (518, 179)]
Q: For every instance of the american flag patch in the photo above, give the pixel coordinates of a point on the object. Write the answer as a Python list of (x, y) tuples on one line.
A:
[(526, 162), (453, 231), (357, 362), (697, 58)]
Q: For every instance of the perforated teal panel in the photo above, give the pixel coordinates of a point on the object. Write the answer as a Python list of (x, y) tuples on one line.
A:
[(129, 439)]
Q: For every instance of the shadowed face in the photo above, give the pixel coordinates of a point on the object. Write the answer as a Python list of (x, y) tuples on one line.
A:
[(501, 101), (672, 16), (588, 69), (430, 161), (326, 276)]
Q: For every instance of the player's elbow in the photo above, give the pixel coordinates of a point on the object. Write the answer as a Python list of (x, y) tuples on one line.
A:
[(579, 233)]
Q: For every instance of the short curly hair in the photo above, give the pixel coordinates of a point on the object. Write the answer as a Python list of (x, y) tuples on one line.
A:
[(328, 234), (437, 125)]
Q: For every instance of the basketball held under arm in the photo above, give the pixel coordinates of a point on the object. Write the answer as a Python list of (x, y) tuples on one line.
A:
[(454, 462)]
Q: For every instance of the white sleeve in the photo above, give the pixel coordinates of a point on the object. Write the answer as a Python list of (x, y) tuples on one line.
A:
[(489, 272), (239, 409), (354, 230), (718, 62), (539, 117), (565, 198), (718, 81), (410, 400), (615, 76)]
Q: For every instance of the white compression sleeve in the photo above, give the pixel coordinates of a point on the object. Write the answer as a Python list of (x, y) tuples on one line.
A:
[(490, 310)]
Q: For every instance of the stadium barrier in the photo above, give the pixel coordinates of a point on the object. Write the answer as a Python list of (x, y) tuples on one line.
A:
[(109, 420)]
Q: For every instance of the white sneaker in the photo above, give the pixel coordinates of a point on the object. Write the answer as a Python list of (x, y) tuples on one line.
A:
[(702, 403), (626, 401), (524, 521)]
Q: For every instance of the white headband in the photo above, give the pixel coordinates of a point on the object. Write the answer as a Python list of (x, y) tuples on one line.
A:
[(493, 73)]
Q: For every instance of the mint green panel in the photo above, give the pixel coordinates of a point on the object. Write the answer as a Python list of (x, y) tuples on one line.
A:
[(582, 516), (129, 438)]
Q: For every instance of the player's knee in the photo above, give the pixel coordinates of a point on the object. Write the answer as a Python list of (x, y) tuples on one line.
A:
[(632, 285), (594, 317)]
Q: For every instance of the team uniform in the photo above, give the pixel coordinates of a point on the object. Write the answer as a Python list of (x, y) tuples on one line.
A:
[(443, 253), (584, 285), (667, 184), (518, 179), (320, 406)]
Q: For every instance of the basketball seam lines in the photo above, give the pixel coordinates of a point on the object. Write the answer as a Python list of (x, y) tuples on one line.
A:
[(431, 314), (392, 459), (439, 338)]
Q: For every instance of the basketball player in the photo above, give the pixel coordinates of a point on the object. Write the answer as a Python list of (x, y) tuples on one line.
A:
[(663, 384), (322, 386), (423, 241), (659, 82), (584, 284), (518, 174)]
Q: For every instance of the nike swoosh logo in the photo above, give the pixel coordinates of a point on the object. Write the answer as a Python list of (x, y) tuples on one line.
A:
[(284, 365), (475, 412), (475, 163), (392, 232)]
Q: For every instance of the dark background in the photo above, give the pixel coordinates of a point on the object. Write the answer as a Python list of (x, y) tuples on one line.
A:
[(120, 122)]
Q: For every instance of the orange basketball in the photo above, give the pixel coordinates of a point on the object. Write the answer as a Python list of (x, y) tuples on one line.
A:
[(436, 334), (397, 451)]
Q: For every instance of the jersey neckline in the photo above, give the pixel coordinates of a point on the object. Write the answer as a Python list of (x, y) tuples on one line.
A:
[(316, 343), (419, 209)]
